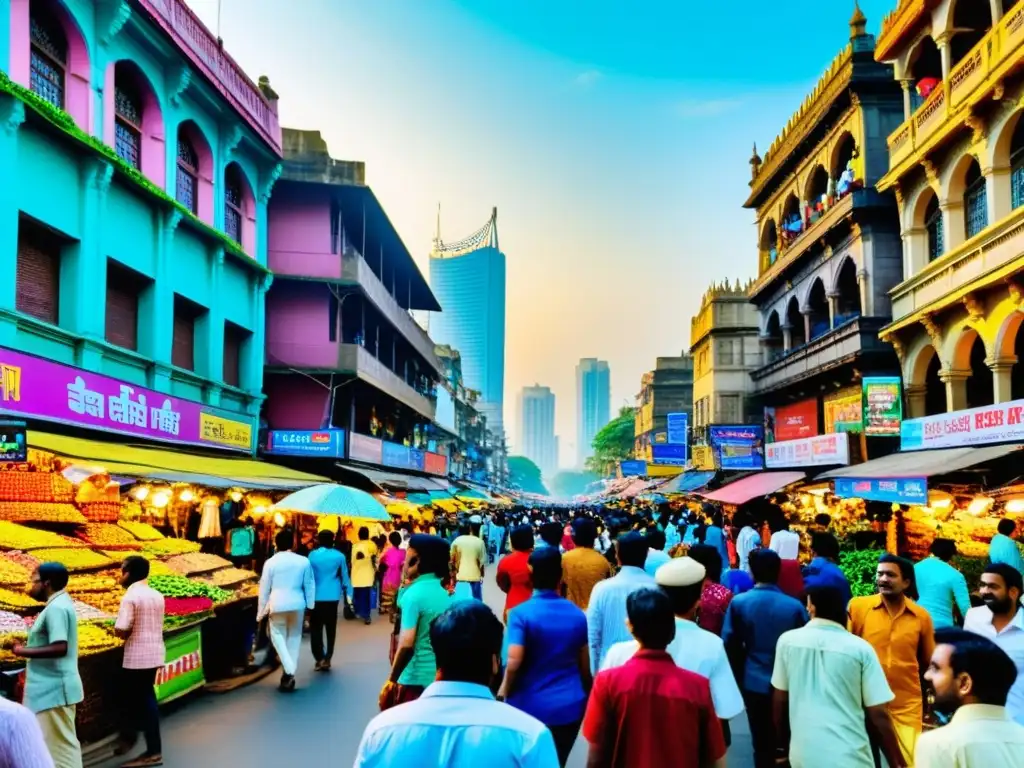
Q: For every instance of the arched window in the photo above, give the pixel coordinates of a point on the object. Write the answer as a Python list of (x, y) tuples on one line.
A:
[(127, 118), (188, 173), (1017, 165), (48, 48), (975, 201), (233, 203), (933, 226)]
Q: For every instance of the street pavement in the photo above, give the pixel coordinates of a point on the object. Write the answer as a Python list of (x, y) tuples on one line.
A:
[(322, 722)]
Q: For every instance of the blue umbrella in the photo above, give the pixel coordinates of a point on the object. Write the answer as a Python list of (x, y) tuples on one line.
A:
[(336, 500)]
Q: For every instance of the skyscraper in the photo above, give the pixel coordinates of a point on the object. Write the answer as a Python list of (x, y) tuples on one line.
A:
[(593, 404), (537, 440), (468, 279)]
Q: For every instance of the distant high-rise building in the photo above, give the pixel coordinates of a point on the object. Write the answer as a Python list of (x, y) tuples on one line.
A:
[(537, 440), (593, 404), (468, 279)]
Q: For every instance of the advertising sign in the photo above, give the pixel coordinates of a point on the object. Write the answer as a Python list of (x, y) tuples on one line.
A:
[(883, 405), (365, 448), (844, 410), (395, 455), (324, 443), (13, 443), (739, 446), (661, 438), (678, 428), (1002, 423), (633, 468), (897, 490), (183, 670), (31, 387), (416, 458), (435, 464), (669, 454), (703, 457), (792, 422), (819, 451)]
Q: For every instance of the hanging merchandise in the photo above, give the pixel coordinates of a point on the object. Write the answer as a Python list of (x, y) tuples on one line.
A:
[(209, 524)]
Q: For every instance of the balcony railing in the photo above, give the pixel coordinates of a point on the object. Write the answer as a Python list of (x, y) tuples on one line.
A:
[(352, 357), (969, 81)]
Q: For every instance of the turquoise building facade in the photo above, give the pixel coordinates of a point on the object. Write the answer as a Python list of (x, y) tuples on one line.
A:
[(136, 162)]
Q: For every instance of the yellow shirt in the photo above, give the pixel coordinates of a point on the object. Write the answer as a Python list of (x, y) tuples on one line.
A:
[(582, 569), (978, 736), (363, 572), (472, 554)]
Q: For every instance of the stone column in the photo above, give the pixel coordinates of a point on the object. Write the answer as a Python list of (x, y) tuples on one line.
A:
[(956, 388), (867, 305), (998, 193), (807, 324), (787, 337), (916, 400), (12, 115), (908, 109), (997, 14), (1002, 377), (213, 343), (943, 42), (953, 225), (156, 317), (833, 309)]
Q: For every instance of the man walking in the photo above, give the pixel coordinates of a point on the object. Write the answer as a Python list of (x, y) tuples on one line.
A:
[(331, 582), (583, 567), (606, 613), (140, 622), (53, 687), (754, 622), (1003, 548), (286, 591), (941, 588), (469, 556)]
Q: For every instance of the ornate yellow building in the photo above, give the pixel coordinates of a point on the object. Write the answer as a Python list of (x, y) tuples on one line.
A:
[(956, 165)]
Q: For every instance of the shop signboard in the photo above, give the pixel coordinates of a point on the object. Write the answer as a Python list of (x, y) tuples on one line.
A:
[(883, 405), (676, 455), (13, 442), (703, 458), (661, 438), (365, 448), (844, 410), (416, 459), (738, 446), (435, 464), (895, 490), (678, 428), (818, 451), (34, 388), (182, 671), (791, 422), (395, 455), (633, 468), (990, 424), (323, 443)]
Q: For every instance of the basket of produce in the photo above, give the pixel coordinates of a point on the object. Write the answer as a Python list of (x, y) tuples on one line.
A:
[(18, 602), (230, 578), (108, 602), (196, 562), (13, 574), (35, 486), (74, 559), (105, 581), (100, 511), (185, 606), (14, 536), (40, 512), (141, 531), (169, 547), (86, 612), (179, 586), (109, 537)]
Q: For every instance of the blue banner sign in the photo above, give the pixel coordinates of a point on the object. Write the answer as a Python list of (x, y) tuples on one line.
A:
[(739, 446), (416, 459), (324, 443), (395, 455), (674, 455), (631, 468), (678, 428), (896, 490)]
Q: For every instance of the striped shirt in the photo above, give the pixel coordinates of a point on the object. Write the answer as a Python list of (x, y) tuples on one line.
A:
[(142, 613), (606, 613), (21, 740)]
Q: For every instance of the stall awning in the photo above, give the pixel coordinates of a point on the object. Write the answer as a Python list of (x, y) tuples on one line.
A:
[(399, 480), (752, 486), (171, 466), (923, 464), (687, 482)]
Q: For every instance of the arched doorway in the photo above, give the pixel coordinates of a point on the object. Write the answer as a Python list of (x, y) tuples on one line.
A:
[(770, 243), (1017, 376), (817, 193), (773, 341), (980, 386), (972, 19), (1017, 165), (925, 69), (792, 221), (817, 304), (795, 321), (935, 390), (842, 170), (848, 302)]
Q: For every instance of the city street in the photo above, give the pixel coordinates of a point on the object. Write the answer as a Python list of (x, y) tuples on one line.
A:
[(323, 721)]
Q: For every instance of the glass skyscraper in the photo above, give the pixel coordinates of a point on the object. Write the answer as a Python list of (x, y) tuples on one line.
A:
[(593, 404), (468, 279), (537, 440)]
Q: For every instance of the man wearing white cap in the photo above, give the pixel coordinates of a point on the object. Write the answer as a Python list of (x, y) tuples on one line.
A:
[(469, 555), (693, 648)]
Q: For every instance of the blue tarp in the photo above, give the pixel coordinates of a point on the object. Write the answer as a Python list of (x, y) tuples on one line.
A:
[(688, 482)]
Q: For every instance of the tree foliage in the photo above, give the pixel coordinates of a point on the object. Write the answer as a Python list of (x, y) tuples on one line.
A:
[(526, 475), (570, 483), (614, 442)]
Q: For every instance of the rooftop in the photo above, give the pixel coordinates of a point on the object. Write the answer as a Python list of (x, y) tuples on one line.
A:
[(899, 23)]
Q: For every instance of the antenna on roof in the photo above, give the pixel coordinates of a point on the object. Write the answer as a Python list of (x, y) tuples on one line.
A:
[(494, 228), (220, 40), (437, 234)]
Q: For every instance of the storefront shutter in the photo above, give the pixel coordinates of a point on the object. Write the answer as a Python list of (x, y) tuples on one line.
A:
[(38, 275), (233, 337), (122, 319), (183, 351)]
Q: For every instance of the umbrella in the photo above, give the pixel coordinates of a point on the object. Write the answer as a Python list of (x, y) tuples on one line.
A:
[(471, 494), (403, 508), (338, 500)]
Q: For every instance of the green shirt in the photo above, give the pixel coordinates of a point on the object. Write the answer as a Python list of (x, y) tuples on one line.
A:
[(53, 683), (420, 603)]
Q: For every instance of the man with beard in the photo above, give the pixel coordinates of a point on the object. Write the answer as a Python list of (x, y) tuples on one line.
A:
[(970, 676), (1001, 620)]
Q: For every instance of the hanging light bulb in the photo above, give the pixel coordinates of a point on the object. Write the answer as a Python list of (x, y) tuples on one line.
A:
[(186, 495), (141, 492), (278, 519), (1015, 506), (160, 499), (236, 496), (980, 505)]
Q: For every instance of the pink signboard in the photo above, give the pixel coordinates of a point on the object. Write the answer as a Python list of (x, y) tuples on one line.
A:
[(34, 388)]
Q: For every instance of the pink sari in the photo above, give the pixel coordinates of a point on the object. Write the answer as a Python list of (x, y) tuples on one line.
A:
[(393, 559)]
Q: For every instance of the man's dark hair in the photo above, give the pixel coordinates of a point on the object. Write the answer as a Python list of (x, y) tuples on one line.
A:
[(284, 540), (546, 563), (650, 614), (364, 533), (551, 534), (395, 538), (1006, 526), (54, 574), (632, 549), (655, 538), (992, 671), (1011, 576), (829, 603), (434, 554), (944, 549), (906, 567), (765, 566), (136, 567), (823, 519), (710, 558), (521, 538), (326, 538), (466, 638), (684, 599), (825, 545), (584, 532)]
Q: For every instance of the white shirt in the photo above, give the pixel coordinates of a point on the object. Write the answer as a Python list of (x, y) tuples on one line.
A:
[(1011, 640), (786, 544), (286, 585), (695, 650), (747, 541), (606, 612), (21, 740), (978, 736)]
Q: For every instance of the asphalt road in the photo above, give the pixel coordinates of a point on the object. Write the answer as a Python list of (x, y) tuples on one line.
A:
[(322, 722)]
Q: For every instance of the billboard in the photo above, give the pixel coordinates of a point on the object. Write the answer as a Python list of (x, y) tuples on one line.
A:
[(883, 405), (818, 451), (365, 448), (896, 490), (990, 424), (669, 454), (325, 443), (678, 428), (791, 422), (844, 410), (737, 446), (631, 468)]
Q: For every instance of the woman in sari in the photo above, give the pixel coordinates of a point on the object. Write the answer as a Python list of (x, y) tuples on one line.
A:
[(391, 563)]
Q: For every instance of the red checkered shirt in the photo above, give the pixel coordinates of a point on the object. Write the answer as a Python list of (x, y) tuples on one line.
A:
[(142, 613)]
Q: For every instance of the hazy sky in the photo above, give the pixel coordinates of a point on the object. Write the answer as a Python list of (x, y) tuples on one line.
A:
[(613, 137)]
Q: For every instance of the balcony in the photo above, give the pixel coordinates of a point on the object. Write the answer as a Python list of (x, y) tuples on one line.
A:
[(971, 80), (205, 52), (843, 343), (352, 358)]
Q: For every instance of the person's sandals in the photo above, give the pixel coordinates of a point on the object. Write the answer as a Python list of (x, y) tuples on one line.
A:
[(124, 746), (144, 762), (287, 684)]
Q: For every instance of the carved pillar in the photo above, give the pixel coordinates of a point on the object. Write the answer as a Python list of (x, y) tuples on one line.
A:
[(998, 193), (1002, 377), (956, 389), (787, 337), (943, 41), (953, 226), (807, 324), (908, 104), (916, 401), (867, 306), (833, 309)]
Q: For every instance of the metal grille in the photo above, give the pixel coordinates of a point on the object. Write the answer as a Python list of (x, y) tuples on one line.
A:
[(936, 235), (233, 224), (127, 142), (48, 58), (1017, 181), (233, 207), (188, 163), (976, 207), (126, 106)]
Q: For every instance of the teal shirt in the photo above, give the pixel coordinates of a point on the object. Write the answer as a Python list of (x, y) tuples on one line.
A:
[(51, 683), (1005, 550), (940, 586), (420, 603)]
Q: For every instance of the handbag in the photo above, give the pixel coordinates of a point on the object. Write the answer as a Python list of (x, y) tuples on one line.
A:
[(348, 611)]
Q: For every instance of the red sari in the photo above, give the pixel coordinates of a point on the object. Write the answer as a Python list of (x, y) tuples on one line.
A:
[(514, 572)]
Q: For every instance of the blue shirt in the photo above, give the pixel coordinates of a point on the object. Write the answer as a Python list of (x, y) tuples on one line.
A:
[(939, 586), (606, 612), (754, 622), (655, 559), (552, 631), (457, 725), (330, 574), (1005, 550), (714, 537), (737, 581), (824, 573)]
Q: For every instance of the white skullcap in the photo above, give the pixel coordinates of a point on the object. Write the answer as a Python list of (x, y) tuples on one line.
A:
[(475, 519), (680, 572)]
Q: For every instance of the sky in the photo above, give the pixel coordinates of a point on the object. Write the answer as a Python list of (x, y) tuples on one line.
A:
[(613, 137)]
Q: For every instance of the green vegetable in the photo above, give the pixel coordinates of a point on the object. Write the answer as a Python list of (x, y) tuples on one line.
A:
[(179, 586), (860, 568)]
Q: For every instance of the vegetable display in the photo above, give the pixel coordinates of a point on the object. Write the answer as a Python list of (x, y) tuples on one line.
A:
[(859, 568), (141, 531), (35, 486), (99, 582), (93, 638), (169, 547), (16, 602), (11, 624), (100, 511), (14, 536), (179, 586), (12, 573), (229, 577), (86, 612), (105, 535), (181, 606), (73, 559), (196, 562), (40, 512)]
